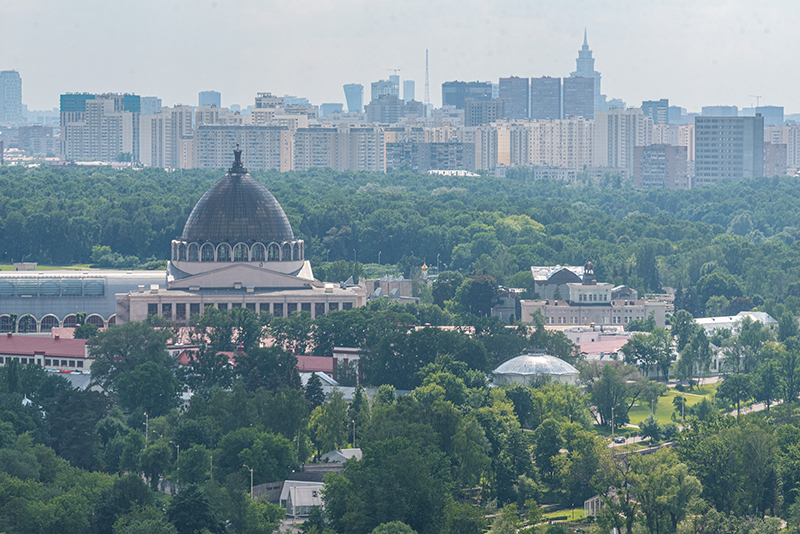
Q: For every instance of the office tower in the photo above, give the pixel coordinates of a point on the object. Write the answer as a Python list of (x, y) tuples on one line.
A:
[(617, 133), (209, 98), (166, 138), (326, 109), (354, 94), (11, 110), (658, 110), (101, 127), (515, 93), (385, 87), (728, 148), (408, 90), (585, 69), (660, 166), (676, 115), (289, 100), (545, 98), (578, 97), (773, 115), (455, 93), (478, 112), (720, 111), (150, 105)]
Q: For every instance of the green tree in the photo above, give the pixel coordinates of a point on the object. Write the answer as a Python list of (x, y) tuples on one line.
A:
[(155, 461), (190, 511), (649, 428), (314, 392), (125, 495), (193, 465), (150, 387), (393, 527), (328, 424), (735, 389)]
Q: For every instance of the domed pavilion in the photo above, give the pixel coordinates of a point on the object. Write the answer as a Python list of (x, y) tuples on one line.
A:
[(528, 368), (238, 249)]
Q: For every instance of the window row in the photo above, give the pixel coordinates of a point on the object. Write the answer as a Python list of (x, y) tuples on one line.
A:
[(48, 362), (289, 251), (29, 323), (178, 311)]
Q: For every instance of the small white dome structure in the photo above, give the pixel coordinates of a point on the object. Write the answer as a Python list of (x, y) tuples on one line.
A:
[(526, 368)]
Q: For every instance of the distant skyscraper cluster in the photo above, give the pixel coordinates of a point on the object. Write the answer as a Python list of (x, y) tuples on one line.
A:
[(561, 127)]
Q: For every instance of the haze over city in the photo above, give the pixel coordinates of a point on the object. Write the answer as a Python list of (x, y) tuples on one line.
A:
[(695, 54)]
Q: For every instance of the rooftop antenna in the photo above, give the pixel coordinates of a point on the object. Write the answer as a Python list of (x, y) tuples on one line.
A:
[(757, 97), (394, 70), (427, 86)]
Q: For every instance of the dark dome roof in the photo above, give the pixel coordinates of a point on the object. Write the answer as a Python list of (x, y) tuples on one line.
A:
[(237, 208)]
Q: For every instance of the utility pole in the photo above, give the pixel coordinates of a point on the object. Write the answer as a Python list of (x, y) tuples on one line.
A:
[(427, 87), (612, 421), (146, 428)]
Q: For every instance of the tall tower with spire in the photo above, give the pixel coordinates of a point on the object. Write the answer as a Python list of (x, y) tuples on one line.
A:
[(585, 69)]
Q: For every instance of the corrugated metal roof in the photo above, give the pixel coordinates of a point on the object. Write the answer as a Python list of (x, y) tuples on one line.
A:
[(14, 344)]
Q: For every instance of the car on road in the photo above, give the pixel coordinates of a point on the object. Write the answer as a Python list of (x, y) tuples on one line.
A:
[(619, 439)]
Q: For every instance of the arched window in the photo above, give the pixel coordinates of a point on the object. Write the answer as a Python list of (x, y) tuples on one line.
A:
[(112, 320), (274, 252), (182, 252), (207, 252), (258, 252), (302, 250), (5, 324), (26, 324), (223, 252), (295, 251), (240, 252), (70, 321), (194, 252), (49, 322), (287, 252), (96, 320)]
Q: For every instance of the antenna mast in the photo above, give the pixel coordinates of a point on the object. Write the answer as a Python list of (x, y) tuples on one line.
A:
[(427, 87)]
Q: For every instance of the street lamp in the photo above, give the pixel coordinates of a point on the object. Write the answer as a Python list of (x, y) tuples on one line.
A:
[(379, 257), (178, 461), (355, 257), (354, 432), (437, 264), (251, 480), (146, 428), (612, 421)]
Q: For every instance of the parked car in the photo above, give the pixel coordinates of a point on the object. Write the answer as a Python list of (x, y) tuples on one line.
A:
[(619, 439)]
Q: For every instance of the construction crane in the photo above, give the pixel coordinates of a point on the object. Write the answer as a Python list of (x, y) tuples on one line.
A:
[(393, 70), (757, 97)]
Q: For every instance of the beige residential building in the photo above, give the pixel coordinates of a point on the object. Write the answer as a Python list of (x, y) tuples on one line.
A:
[(788, 135), (102, 128), (263, 147), (617, 133), (166, 138)]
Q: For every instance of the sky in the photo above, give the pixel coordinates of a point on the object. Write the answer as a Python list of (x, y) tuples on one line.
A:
[(693, 52)]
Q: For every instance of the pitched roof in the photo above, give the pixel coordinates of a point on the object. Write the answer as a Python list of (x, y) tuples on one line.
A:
[(310, 364), (15, 344)]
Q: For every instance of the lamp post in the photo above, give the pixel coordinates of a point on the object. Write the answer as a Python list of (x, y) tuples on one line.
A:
[(327, 256), (355, 256), (178, 461), (437, 265), (612, 421), (212, 467), (354, 432), (379, 257), (146, 427), (251, 480)]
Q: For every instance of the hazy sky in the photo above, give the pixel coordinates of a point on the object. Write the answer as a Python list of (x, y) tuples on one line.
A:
[(694, 52)]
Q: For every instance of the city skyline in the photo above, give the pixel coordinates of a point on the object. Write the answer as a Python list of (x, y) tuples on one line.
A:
[(717, 53)]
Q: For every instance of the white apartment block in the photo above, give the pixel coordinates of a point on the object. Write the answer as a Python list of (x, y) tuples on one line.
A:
[(617, 133), (788, 135), (263, 147), (166, 138), (102, 132)]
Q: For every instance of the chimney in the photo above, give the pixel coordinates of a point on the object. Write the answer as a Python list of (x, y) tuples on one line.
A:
[(8, 335), (57, 337)]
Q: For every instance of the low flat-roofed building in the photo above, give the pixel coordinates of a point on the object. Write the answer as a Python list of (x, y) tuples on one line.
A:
[(53, 353)]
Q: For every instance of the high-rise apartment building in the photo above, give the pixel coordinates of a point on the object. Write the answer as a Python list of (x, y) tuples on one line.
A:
[(545, 98), (150, 105), (330, 107), (209, 98), (386, 109), (100, 127), (268, 100), (425, 156), (658, 110), (11, 110), (585, 69), (617, 132), (578, 98), (343, 148), (660, 166), (728, 148), (455, 93), (263, 147), (384, 88), (515, 93), (166, 138), (354, 94), (408, 90), (774, 159), (788, 135)]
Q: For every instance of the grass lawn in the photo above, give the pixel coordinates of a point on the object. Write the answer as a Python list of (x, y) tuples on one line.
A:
[(664, 408), (572, 515)]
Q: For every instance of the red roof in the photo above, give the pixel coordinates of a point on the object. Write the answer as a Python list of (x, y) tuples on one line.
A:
[(318, 364), (17, 345), (183, 356)]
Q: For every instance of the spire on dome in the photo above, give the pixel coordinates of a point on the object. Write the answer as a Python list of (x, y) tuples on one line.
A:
[(237, 167), (585, 40)]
